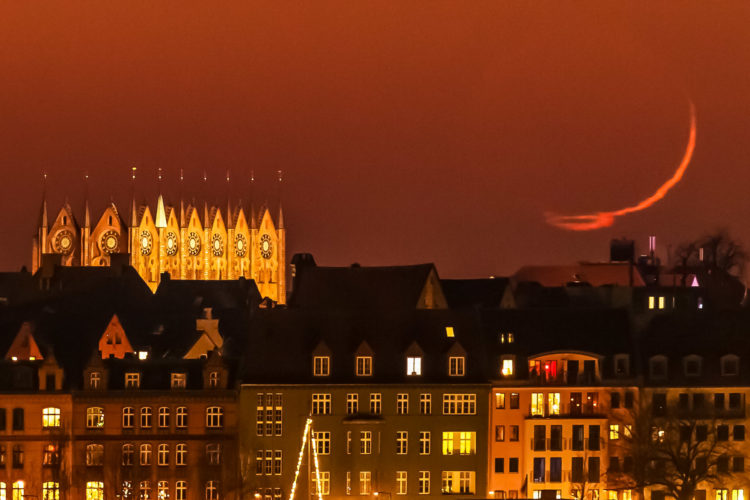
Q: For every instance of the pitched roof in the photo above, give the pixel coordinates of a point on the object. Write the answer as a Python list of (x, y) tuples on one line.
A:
[(358, 287), (486, 293)]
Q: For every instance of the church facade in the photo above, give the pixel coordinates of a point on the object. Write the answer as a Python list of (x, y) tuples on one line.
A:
[(187, 241)]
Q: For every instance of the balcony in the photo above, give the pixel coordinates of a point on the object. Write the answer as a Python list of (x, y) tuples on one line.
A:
[(564, 378), (568, 410), (549, 444)]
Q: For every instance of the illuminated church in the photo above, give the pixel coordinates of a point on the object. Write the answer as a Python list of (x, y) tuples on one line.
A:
[(188, 242)]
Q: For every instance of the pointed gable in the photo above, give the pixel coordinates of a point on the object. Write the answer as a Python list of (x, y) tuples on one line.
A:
[(432, 296), (24, 347), (114, 342), (209, 337)]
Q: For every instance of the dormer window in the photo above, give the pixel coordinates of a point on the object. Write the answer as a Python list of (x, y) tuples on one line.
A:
[(213, 379), (456, 366), (507, 366), (143, 355), (449, 332), (95, 380), (414, 365), (132, 380), (658, 367), (730, 365), (179, 380), (364, 366), (321, 366), (622, 365), (692, 365), (506, 338)]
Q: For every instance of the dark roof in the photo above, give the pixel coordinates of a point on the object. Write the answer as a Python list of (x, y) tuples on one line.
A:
[(593, 273), (358, 287), (195, 295), (485, 293)]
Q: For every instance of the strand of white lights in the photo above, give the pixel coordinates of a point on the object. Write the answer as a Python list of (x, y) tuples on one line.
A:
[(301, 454), (318, 486)]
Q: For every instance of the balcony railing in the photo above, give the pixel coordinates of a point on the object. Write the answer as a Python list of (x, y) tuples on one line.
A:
[(549, 444), (566, 410)]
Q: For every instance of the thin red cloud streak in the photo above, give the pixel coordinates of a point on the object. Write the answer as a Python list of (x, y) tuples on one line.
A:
[(598, 220)]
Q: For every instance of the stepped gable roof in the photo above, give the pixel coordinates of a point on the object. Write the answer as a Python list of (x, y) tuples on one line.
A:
[(281, 347), (485, 293), (195, 295), (358, 287), (593, 273)]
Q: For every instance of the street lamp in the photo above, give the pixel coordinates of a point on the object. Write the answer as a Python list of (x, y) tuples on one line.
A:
[(378, 493)]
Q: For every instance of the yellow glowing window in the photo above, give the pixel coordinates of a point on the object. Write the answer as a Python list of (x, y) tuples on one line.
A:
[(553, 400), (50, 490), (51, 418), (447, 443), (651, 302), (507, 368), (627, 494), (95, 490), (537, 404), (18, 487), (738, 494), (661, 302), (467, 443), (611, 494), (449, 332), (614, 432)]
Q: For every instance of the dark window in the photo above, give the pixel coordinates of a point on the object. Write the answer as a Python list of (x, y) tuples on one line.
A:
[(540, 437), (701, 465), (594, 438), (614, 464), (577, 443), (658, 495), (2, 419), (685, 432), (539, 469), (50, 382), (699, 401), (659, 404), (621, 366), (589, 371), (722, 465), (555, 470), (17, 456), (628, 399), (738, 432), (683, 401), (719, 401), (699, 495), (627, 465), (572, 372), (513, 400), (735, 401), (738, 464), (722, 433), (555, 435), (594, 469), (701, 433), (576, 470), (513, 433), (576, 403), (2, 455), (17, 419), (499, 465), (615, 400), (513, 465)]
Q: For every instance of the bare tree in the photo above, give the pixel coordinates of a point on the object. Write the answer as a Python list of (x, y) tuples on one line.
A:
[(714, 251)]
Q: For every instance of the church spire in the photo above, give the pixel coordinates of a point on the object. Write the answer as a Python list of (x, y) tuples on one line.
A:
[(86, 214), (43, 212), (280, 222), (161, 216), (133, 210), (182, 204), (253, 222), (229, 203), (205, 203)]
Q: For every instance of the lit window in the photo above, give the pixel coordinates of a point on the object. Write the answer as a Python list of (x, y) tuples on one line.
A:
[(95, 490), (449, 332), (365, 442), (414, 365), (321, 366), (94, 417), (401, 482), (162, 490), (324, 488), (738, 494), (364, 366), (50, 490), (507, 368), (500, 400), (537, 404), (456, 366), (132, 380), (179, 380), (365, 483), (722, 494), (459, 443), (321, 404), (143, 355), (661, 302), (18, 487), (51, 418), (352, 404), (614, 432), (95, 379), (553, 401), (651, 302), (458, 482), (402, 404), (144, 490), (401, 442), (511, 338), (181, 454), (424, 482), (214, 417), (51, 455)]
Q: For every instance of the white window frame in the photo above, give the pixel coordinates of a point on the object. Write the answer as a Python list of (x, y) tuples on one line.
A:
[(128, 417), (402, 403), (178, 380), (424, 442), (94, 417), (414, 366), (181, 417), (456, 366), (352, 403), (363, 366), (132, 380), (321, 366), (214, 417)]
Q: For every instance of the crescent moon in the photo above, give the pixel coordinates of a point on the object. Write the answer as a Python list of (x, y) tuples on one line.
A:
[(598, 220)]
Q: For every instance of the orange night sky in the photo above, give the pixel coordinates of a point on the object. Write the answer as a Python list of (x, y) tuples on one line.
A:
[(407, 131)]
